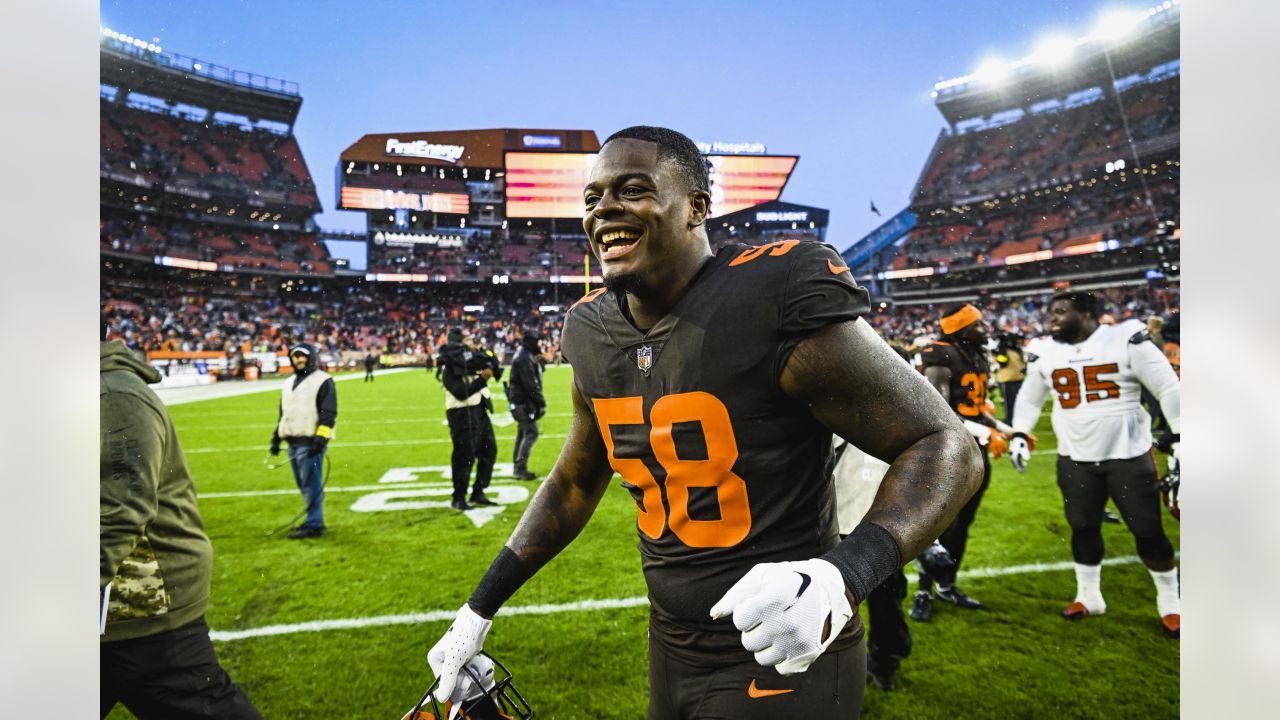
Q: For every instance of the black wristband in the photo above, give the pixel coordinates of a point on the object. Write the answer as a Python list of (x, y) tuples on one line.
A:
[(505, 576), (1020, 435), (865, 559)]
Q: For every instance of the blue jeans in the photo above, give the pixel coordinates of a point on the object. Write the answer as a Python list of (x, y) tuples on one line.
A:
[(308, 473)]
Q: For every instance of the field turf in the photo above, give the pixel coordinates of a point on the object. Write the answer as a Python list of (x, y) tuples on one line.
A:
[(1016, 659)]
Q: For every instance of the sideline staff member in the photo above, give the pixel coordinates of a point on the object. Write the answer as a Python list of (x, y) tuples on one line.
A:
[(466, 370), (308, 412), (155, 656), (527, 403)]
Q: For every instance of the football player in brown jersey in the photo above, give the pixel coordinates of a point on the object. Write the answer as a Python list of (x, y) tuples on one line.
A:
[(712, 385)]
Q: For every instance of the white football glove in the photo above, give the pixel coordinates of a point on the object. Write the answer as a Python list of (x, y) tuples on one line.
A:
[(781, 609), (1019, 453), (459, 646)]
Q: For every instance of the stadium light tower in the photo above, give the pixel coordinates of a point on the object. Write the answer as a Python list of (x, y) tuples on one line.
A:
[(1054, 51), (992, 72), (1116, 25)]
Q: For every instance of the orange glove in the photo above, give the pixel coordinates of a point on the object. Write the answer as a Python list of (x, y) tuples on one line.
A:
[(1031, 442), (998, 444)]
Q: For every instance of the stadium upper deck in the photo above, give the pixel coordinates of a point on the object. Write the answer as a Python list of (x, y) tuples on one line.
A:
[(1054, 168), (199, 167)]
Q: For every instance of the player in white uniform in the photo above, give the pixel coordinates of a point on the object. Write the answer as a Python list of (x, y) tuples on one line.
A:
[(1096, 373)]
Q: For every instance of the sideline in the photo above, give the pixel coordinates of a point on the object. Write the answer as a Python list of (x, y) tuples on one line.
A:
[(216, 391), (581, 606)]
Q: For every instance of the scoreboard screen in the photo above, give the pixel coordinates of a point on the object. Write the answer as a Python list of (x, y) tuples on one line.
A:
[(546, 185), (741, 181), (549, 185), (358, 198)]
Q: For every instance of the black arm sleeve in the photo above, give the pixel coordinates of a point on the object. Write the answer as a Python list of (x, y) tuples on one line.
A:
[(327, 403)]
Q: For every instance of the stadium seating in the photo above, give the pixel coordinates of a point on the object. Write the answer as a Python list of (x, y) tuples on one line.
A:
[(203, 155)]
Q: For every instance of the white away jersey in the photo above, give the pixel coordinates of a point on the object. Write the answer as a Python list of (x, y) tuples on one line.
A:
[(1097, 408)]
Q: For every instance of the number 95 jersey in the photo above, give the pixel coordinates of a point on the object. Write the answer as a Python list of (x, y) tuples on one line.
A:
[(726, 471), (1097, 411)]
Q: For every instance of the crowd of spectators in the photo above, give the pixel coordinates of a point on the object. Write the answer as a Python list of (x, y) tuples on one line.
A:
[(227, 244), (1043, 182), (203, 155), (1026, 316), (161, 315), (1095, 211), (1059, 144), (531, 255)]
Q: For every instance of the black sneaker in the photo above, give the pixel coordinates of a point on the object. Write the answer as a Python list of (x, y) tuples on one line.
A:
[(306, 532), (954, 596), (526, 475), (480, 499), (883, 679), (922, 606), (459, 505)]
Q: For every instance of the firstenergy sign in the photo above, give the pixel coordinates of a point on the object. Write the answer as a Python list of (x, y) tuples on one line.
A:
[(424, 149)]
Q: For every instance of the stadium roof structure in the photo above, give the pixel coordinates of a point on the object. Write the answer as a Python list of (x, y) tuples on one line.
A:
[(132, 64), (1123, 45), (465, 148)]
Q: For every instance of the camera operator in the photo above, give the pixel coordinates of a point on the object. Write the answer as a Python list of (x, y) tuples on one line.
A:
[(465, 369)]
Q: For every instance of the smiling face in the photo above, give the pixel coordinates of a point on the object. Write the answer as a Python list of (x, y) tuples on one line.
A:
[(642, 218)]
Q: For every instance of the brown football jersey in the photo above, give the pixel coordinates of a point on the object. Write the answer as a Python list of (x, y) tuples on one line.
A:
[(726, 471), (969, 368)]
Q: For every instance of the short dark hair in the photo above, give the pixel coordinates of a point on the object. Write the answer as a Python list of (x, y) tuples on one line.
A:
[(672, 146), (1085, 302)]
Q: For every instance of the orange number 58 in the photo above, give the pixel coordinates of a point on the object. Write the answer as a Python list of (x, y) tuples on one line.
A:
[(716, 471)]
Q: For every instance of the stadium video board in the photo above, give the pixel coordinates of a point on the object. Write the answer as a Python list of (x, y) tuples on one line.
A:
[(549, 185), (741, 181), (358, 198), (546, 185)]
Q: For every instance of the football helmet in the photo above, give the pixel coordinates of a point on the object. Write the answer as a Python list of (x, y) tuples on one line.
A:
[(493, 696)]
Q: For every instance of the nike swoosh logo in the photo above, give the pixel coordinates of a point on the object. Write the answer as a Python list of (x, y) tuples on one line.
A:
[(755, 692), (804, 583), (836, 269)]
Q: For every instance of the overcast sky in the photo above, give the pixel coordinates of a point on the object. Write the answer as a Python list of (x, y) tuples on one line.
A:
[(844, 85)]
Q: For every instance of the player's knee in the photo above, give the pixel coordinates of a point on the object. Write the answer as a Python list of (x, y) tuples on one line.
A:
[(1086, 545), (1155, 547)]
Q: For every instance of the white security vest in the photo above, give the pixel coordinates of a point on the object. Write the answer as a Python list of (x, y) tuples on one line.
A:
[(298, 415), (451, 402)]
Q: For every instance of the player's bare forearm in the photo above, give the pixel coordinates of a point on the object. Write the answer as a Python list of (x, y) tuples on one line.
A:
[(925, 488), (860, 389), (566, 500)]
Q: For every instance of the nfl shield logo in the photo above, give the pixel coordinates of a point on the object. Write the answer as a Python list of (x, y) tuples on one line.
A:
[(644, 358)]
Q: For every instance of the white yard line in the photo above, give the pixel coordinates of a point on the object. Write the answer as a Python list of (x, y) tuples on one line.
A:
[(365, 443), (427, 419), (200, 393), (581, 606)]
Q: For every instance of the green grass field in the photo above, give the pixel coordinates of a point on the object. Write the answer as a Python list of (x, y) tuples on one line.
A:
[(1017, 659)]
